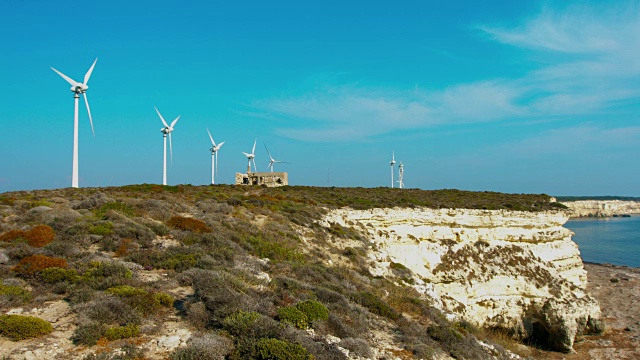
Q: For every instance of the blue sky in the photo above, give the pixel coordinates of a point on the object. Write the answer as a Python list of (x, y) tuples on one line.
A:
[(510, 96)]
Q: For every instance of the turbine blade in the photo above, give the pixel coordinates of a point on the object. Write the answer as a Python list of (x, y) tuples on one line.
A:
[(171, 148), (210, 137), (175, 121), (69, 80), (254, 146), (220, 145), (89, 112), (161, 118), (270, 157), (88, 74), (255, 169)]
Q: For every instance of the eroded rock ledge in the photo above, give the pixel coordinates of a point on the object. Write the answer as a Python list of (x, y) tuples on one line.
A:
[(602, 208), (514, 270)]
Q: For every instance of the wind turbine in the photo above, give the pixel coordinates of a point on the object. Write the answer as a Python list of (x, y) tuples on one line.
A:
[(166, 130), (214, 157), (401, 175), (251, 158), (392, 163), (77, 89), (272, 160)]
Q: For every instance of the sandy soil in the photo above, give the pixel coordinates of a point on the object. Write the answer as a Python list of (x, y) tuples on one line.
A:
[(617, 288)]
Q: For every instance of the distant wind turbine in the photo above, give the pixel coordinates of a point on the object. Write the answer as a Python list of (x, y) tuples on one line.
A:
[(251, 158), (166, 130), (273, 161), (214, 157), (401, 175), (392, 163), (77, 89)]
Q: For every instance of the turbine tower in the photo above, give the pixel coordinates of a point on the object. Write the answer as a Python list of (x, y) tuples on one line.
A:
[(77, 89), (251, 158), (166, 130), (272, 160), (214, 157), (401, 175), (392, 163)]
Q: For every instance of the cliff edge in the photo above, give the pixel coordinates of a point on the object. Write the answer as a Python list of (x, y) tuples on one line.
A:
[(514, 270)]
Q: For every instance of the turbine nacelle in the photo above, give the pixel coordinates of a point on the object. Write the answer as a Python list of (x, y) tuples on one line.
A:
[(79, 88)]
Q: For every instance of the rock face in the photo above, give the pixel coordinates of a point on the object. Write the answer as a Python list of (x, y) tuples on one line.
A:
[(514, 270), (602, 208)]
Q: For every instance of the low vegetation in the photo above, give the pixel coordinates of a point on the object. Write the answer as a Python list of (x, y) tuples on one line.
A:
[(18, 327), (245, 268)]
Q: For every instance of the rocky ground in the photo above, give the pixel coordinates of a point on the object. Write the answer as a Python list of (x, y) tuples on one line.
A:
[(617, 288)]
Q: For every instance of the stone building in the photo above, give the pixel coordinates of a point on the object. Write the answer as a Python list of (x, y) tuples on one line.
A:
[(270, 179)]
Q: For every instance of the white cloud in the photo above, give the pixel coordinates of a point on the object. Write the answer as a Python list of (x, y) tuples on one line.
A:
[(592, 57)]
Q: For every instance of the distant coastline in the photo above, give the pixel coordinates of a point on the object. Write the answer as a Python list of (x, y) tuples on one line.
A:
[(602, 208)]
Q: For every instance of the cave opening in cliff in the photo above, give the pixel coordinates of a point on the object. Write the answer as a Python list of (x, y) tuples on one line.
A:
[(539, 337)]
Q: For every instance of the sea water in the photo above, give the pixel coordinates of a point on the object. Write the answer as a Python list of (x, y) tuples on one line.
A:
[(614, 240)]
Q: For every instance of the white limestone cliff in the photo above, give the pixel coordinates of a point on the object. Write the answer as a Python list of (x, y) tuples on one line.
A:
[(602, 208), (497, 268)]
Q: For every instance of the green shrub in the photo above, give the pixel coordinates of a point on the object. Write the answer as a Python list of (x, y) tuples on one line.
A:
[(56, 274), (103, 275), (121, 208), (274, 249), (274, 349), (126, 291), (18, 327), (14, 294), (88, 334), (122, 332), (163, 299), (239, 322), (314, 310), (105, 228), (376, 305), (293, 316)]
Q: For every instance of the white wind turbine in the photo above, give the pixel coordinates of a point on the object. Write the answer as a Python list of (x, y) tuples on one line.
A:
[(392, 163), (401, 175), (77, 89), (273, 161), (166, 130), (214, 157), (251, 158)]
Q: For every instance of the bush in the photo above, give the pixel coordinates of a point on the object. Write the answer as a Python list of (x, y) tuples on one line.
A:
[(88, 334), (12, 235), (238, 323), (140, 299), (188, 224), (56, 274), (105, 228), (293, 316), (163, 299), (122, 332), (103, 275), (376, 305), (18, 327), (274, 349), (205, 347), (39, 236), (34, 264), (313, 309), (14, 294), (121, 208)]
